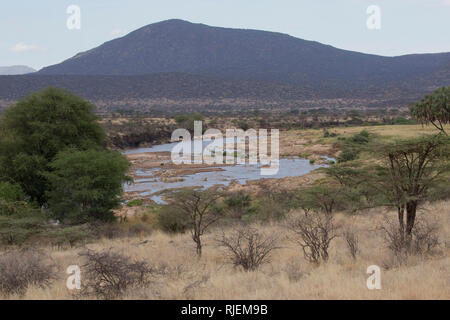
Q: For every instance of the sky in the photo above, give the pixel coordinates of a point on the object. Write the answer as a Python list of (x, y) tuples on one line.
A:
[(35, 33)]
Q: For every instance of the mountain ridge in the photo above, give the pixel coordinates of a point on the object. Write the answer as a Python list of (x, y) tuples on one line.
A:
[(180, 46)]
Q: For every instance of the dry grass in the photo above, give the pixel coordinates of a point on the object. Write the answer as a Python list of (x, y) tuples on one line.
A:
[(287, 276)]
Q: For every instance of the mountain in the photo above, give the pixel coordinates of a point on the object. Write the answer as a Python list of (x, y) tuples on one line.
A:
[(184, 47), (13, 70)]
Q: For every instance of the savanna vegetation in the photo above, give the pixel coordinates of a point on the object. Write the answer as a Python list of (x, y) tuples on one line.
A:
[(384, 202)]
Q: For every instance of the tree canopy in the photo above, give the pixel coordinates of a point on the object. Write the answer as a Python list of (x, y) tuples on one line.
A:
[(36, 129), (434, 108), (86, 185)]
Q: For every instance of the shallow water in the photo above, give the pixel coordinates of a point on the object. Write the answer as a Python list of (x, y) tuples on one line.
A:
[(288, 167)]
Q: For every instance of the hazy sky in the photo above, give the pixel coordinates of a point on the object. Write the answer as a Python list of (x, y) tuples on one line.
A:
[(34, 33)]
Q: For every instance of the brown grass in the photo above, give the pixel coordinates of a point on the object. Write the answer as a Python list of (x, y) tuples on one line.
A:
[(287, 276)]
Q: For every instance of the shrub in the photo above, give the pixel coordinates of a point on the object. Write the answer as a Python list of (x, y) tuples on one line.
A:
[(314, 233), (108, 274), (352, 242), (238, 205), (172, 220), (21, 269), (69, 236), (135, 203), (17, 230), (11, 192), (347, 154), (248, 248), (422, 240)]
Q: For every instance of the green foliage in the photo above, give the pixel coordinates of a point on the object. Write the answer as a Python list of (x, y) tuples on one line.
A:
[(68, 236), (86, 185), (347, 154), (11, 192), (187, 121), (321, 198), (239, 205), (37, 128), (17, 229), (402, 120), (135, 203), (353, 146), (434, 108), (173, 220)]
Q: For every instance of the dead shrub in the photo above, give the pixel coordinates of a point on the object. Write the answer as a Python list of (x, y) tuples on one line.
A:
[(314, 234), (422, 240), (248, 248), (352, 241), (21, 269), (293, 271), (108, 274)]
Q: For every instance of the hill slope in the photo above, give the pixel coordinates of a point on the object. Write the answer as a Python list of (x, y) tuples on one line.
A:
[(184, 47)]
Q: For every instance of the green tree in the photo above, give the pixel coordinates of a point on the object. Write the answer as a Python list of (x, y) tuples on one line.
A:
[(434, 108), (37, 128), (86, 185), (405, 174)]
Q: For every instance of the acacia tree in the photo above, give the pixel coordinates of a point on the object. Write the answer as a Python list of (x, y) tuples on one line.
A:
[(36, 129), (200, 209), (414, 170), (434, 108), (407, 173)]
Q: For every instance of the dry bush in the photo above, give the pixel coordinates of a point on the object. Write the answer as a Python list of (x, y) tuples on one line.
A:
[(21, 269), (352, 241), (248, 248), (422, 240), (108, 274), (314, 234), (293, 271)]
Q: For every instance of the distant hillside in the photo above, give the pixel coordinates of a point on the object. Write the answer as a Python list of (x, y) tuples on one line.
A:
[(13, 70), (184, 47), (171, 92), (178, 65)]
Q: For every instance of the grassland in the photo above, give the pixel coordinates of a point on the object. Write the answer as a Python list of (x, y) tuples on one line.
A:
[(287, 276)]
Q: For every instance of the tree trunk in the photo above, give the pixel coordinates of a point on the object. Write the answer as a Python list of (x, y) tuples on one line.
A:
[(199, 246), (401, 219), (411, 207)]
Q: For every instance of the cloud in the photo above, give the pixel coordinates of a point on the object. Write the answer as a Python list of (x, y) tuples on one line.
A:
[(445, 3), (22, 47)]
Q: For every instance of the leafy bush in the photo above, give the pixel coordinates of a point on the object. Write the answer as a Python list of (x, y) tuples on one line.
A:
[(86, 185), (352, 146), (17, 230), (347, 154), (11, 192), (135, 202), (69, 236), (238, 205), (172, 220)]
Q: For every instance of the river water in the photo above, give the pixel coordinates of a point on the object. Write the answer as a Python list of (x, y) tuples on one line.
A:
[(288, 167)]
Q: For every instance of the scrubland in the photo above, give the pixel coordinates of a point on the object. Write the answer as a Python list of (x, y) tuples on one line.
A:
[(179, 274)]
